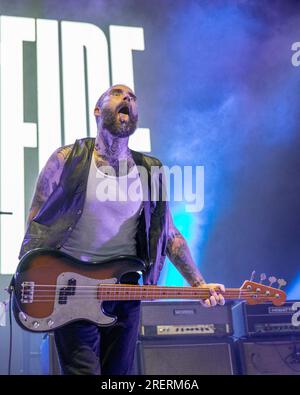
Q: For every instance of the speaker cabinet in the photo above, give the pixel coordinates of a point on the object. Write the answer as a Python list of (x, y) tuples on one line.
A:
[(185, 357), (270, 356), (180, 356)]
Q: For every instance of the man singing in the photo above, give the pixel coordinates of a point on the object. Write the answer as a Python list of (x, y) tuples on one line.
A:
[(83, 207)]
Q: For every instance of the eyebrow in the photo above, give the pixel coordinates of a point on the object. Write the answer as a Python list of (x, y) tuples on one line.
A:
[(118, 90)]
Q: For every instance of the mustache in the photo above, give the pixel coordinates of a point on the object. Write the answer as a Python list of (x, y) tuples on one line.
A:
[(110, 115), (110, 122)]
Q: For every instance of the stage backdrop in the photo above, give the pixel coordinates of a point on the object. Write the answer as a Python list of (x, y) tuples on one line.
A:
[(217, 85)]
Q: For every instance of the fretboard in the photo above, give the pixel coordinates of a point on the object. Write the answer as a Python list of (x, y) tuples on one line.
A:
[(151, 292)]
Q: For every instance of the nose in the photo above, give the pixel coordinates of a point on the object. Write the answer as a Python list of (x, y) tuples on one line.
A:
[(126, 97)]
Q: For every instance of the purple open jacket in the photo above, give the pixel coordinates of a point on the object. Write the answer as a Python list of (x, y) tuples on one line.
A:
[(58, 216)]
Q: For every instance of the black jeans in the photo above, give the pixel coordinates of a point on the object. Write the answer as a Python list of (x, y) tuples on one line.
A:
[(87, 349)]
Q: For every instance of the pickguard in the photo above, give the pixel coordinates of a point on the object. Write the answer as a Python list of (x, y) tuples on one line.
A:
[(82, 304)]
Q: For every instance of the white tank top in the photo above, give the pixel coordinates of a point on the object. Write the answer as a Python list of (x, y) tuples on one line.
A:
[(108, 224)]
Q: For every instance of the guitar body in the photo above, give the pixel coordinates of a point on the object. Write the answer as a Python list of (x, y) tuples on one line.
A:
[(52, 289)]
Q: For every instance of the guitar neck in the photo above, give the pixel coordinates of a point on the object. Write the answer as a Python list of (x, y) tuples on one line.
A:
[(151, 292)]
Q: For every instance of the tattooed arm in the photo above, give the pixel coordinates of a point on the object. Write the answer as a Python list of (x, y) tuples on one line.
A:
[(48, 179), (179, 254)]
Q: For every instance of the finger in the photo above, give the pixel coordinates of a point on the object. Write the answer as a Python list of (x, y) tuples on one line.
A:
[(213, 293), (218, 297), (213, 301), (213, 298), (221, 300), (221, 287)]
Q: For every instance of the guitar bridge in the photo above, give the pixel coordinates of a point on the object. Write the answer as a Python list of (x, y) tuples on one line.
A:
[(27, 291)]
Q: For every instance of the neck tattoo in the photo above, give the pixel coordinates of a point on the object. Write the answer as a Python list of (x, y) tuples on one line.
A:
[(114, 158)]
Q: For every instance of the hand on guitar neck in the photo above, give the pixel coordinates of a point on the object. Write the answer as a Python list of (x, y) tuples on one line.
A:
[(216, 291)]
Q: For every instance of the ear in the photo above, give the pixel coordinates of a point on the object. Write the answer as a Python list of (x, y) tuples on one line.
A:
[(97, 111)]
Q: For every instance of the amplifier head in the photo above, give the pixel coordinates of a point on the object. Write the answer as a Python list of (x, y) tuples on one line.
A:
[(184, 318)]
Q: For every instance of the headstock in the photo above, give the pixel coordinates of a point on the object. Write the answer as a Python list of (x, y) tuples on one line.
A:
[(255, 293)]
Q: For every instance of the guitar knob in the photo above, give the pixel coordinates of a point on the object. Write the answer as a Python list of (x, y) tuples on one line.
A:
[(50, 323), (22, 316)]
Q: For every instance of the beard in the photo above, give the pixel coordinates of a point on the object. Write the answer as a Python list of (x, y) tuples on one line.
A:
[(110, 121)]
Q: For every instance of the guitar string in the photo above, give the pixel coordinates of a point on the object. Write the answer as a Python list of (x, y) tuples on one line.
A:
[(142, 291), (155, 295), (140, 297), (104, 299), (127, 286), (118, 290), (124, 290), (27, 284)]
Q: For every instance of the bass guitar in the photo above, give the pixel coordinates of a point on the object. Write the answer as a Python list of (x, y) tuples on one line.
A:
[(52, 289)]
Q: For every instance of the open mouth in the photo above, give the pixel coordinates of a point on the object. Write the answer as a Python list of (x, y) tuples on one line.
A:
[(124, 110), (124, 114)]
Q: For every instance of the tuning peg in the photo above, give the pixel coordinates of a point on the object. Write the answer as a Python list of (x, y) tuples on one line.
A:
[(252, 275), (272, 280), (281, 282), (262, 277)]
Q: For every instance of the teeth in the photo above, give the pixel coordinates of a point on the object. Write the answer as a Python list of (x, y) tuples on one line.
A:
[(123, 117)]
